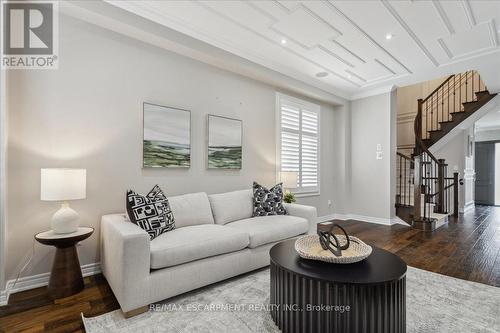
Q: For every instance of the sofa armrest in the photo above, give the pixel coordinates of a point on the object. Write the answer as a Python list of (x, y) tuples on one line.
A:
[(125, 260), (308, 212)]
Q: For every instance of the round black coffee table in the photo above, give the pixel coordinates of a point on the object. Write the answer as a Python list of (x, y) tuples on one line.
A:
[(313, 296)]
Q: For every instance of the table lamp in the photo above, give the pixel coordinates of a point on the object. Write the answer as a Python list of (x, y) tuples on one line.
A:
[(58, 184), (289, 179)]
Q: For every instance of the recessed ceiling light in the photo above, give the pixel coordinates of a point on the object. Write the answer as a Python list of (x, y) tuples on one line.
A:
[(283, 41), (321, 74), (388, 36), (349, 76)]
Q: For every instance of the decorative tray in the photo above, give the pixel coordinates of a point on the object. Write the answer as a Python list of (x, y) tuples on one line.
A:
[(309, 247)]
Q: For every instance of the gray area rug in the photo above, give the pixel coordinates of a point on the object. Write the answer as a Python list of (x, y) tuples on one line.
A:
[(435, 303)]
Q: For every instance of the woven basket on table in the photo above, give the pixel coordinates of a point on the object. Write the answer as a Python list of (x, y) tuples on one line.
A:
[(308, 247)]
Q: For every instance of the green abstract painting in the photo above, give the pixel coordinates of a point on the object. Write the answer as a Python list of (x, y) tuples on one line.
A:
[(167, 137), (224, 143)]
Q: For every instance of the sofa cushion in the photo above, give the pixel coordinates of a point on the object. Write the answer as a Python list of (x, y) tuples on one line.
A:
[(195, 242), (231, 206), (268, 229), (191, 209)]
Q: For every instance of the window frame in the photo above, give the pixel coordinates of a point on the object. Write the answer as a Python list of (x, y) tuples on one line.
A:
[(308, 106)]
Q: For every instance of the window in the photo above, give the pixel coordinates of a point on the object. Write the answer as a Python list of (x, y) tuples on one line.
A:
[(298, 140)]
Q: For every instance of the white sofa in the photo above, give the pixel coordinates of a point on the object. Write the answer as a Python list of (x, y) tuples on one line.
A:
[(215, 238)]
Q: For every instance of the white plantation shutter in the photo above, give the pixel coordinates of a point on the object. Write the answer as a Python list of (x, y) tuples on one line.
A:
[(299, 142)]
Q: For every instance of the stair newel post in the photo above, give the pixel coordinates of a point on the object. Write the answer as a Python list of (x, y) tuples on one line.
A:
[(455, 194), (418, 127), (417, 190), (440, 186)]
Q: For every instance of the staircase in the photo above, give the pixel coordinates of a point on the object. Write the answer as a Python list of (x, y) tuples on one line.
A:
[(426, 193)]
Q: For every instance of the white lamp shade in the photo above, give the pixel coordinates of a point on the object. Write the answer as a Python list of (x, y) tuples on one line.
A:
[(63, 184), (289, 179)]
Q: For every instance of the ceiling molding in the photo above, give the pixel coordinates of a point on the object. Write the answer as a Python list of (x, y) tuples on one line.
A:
[(493, 33), (317, 17), (445, 48), (373, 92), (410, 32), (384, 66), (326, 69), (341, 39), (443, 16), (367, 36), (355, 75), (349, 51), (330, 53), (281, 6), (468, 13)]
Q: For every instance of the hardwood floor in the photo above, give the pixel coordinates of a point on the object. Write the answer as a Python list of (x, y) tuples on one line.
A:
[(467, 248), (35, 311)]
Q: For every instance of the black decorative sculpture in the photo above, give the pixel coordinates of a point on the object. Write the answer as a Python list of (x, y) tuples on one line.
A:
[(325, 239)]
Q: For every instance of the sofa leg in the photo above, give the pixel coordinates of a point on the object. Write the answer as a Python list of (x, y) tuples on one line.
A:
[(135, 312)]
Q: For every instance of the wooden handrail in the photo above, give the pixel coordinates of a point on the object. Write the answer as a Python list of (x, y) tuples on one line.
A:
[(449, 90), (404, 156), (441, 85)]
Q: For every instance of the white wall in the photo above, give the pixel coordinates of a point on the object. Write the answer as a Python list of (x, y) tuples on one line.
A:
[(372, 180), (88, 114), (455, 153)]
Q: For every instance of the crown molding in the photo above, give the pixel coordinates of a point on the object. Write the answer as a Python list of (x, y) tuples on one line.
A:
[(373, 92)]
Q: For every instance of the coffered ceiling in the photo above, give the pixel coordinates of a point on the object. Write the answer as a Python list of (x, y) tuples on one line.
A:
[(341, 46)]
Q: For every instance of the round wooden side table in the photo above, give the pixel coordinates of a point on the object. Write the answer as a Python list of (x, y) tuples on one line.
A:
[(66, 277)]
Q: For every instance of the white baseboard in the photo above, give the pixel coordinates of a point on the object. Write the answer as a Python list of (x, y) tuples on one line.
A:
[(39, 280), (371, 219), (468, 206)]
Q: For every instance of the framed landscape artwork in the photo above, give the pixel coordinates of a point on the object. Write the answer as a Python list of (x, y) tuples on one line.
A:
[(167, 137), (224, 142)]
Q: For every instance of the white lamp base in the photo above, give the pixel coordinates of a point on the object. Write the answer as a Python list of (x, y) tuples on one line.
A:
[(65, 220)]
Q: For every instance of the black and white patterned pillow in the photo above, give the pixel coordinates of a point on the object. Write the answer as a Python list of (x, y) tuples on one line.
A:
[(268, 202), (150, 212)]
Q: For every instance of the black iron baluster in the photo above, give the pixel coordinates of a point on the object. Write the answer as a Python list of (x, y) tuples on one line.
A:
[(472, 86), (401, 180), (424, 169), (454, 94), (466, 90), (448, 114), (442, 104), (410, 179), (427, 118), (460, 100)]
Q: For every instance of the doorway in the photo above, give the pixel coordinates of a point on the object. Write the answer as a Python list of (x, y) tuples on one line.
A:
[(487, 164)]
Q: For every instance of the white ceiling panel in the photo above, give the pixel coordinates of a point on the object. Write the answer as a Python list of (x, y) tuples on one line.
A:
[(292, 26), (346, 39), (467, 42)]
